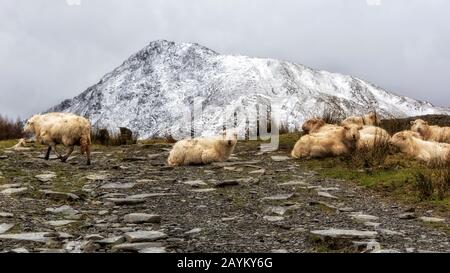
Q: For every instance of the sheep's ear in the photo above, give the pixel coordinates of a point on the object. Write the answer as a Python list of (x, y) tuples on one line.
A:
[(412, 122), (425, 122)]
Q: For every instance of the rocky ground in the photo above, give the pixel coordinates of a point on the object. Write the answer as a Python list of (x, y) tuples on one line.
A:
[(129, 200)]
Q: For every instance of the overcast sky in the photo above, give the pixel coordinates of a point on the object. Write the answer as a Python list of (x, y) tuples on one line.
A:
[(50, 50)]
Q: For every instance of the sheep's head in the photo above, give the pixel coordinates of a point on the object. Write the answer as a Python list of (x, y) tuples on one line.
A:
[(229, 138), (29, 127), (419, 126), (402, 140), (313, 125), (351, 132), (371, 119)]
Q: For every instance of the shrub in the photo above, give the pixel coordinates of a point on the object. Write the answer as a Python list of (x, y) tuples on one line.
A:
[(435, 179), (122, 137), (10, 129)]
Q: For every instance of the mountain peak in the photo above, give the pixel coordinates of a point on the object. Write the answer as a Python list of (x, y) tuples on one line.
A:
[(149, 91)]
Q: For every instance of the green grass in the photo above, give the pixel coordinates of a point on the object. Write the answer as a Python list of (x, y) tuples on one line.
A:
[(4, 144)]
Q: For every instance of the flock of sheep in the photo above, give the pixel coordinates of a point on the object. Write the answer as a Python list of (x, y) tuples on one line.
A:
[(423, 142)]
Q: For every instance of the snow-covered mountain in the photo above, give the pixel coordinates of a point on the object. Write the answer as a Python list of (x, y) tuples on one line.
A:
[(152, 91)]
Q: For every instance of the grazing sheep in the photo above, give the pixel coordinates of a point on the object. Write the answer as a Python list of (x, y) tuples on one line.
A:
[(367, 119), (202, 150), (325, 143), (412, 144), (431, 132), (371, 136), (61, 128)]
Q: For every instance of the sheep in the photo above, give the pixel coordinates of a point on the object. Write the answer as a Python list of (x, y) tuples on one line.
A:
[(312, 125), (316, 125), (370, 136), (412, 144), (325, 143), (198, 151), (61, 128), (367, 119), (431, 132)]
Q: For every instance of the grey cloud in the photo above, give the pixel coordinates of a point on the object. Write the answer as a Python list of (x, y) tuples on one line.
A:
[(50, 51)]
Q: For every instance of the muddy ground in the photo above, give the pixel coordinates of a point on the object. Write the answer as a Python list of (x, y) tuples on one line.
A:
[(129, 200)]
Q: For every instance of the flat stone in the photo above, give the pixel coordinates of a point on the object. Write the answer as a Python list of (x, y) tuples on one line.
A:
[(360, 217), (63, 210), (203, 190), (3, 157), (277, 210), (346, 209), (195, 183), (153, 250), (225, 183), (278, 197), (96, 177), (279, 158), (294, 183), (135, 247), (39, 237), (149, 195), (279, 251), (59, 195), (344, 233), (273, 218), (8, 186), (118, 186), (6, 215), (94, 237), (111, 240), (12, 191), (407, 216), (386, 251), (432, 219), (5, 227), (51, 250), (52, 157), (137, 218), (390, 232), (60, 223), (19, 250), (144, 236), (372, 224), (46, 177), (193, 231), (125, 201), (326, 194), (261, 171)]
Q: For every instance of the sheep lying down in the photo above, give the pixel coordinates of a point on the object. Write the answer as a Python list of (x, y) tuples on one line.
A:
[(61, 128), (411, 144), (334, 141), (431, 132), (202, 150)]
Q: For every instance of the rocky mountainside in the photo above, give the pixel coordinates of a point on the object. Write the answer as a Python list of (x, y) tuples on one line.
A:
[(153, 91)]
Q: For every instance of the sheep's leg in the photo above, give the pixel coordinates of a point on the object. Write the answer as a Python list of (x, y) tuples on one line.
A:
[(47, 155), (53, 145), (69, 151), (88, 155)]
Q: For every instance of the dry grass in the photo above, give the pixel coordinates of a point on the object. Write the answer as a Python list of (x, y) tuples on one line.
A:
[(434, 180), (370, 156)]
